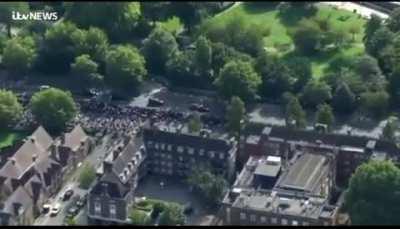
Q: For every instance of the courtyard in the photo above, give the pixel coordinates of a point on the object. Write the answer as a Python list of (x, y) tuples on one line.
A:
[(178, 192)]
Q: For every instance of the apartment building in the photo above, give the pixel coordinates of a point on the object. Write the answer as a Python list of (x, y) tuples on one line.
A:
[(270, 191), (110, 198), (173, 151), (34, 173)]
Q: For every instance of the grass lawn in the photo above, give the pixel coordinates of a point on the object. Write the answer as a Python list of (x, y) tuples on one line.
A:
[(280, 42), (8, 138)]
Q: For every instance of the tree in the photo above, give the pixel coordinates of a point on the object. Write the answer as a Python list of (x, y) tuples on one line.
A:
[(53, 108), (125, 69), (300, 68), (71, 221), (212, 187), (203, 55), (354, 29), (238, 78), (235, 114), (19, 55), (393, 21), (10, 109), (154, 11), (86, 70), (372, 25), (372, 197), (388, 132), (138, 217), (276, 76), (158, 48), (307, 37), (343, 100), (118, 19), (195, 123), (94, 43), (87, 176), (315, 93), (172, 215), (294, 112), (367, 67), (6, 9), (379, 40), (222, 54), (59, 47), (180, 68), (375, 103), (325, 115)]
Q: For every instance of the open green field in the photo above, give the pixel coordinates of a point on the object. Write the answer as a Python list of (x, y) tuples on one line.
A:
[(281, 43), (8, 138)]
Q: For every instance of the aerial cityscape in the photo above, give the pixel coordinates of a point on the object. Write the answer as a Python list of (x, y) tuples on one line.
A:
[(216, 113)]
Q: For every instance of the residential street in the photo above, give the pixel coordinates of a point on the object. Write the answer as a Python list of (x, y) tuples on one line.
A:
[(92, 159)]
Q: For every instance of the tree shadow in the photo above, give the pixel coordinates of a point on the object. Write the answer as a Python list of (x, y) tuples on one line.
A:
[(259, 7), (292, 15)]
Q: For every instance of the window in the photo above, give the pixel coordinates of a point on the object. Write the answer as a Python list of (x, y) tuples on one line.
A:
[(242, 216), (326, 223), (263, 219), (274, 220), (305, 223), (295, 223), (221, 156), (162, 146), (201, 152), (180, 149), (169, 147), (169, 156), (97, 207), (113, 211), (169, 164), (180, 158), (190, 150), (212, 154), (284, 222), (192, 160), (253, 218), (149, 144), (156, 145)]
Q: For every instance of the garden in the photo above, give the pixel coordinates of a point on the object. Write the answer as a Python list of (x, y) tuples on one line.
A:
[(9, 138)]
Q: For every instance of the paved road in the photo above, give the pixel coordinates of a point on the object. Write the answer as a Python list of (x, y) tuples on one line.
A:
[(94, 159), (362, 10)]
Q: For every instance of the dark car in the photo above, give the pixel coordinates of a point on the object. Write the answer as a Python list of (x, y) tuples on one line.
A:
[(68, 194), (81, 202), (194, 106), (203, 108), (153, 102)]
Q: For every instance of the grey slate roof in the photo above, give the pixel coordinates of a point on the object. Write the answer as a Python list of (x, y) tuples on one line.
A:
[(73, 139), (20, 197)]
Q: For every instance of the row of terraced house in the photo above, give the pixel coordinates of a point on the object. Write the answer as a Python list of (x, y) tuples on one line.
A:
[(35, 172)]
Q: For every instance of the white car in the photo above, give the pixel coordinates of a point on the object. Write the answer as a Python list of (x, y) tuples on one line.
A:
[(55, 209)]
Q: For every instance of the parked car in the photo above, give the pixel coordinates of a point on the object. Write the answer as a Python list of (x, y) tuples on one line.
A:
[(203, 108), (46, 208), (55, 209), (154, 102), (82, 201), (68, 194)]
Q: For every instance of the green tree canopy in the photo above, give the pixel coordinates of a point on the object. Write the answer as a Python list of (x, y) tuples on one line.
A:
[(19, 55), (307, 37), (388, 132), (125, 69), (315, 93), (87, 176), (86, 71), (53, 108), (372, 25), (325, 115), (300, 68), (343, 100), (203, 55), (158, 48), (94, 43), (381, 38), (118, 19), (238, 78), (235, 114), (373, 194), (367, 67), (195, 123), (375, 103), (294, 112), (393, 22), (10, 109)]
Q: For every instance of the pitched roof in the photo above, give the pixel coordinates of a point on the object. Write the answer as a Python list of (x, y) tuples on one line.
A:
[(35, 145), (73, 139), (20, 197), (110, 185)]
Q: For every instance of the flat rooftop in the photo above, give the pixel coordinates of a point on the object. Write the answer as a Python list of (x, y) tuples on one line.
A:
[(304, 173)]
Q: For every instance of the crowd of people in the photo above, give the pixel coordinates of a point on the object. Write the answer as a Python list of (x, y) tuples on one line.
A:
[(125, 120)]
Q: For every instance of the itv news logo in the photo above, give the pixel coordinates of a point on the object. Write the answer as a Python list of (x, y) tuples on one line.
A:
[(34, 16)]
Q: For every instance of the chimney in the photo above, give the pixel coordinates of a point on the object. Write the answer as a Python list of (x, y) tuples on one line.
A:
[(34, 157), (62, 138), (82, 142), (32, 138)]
